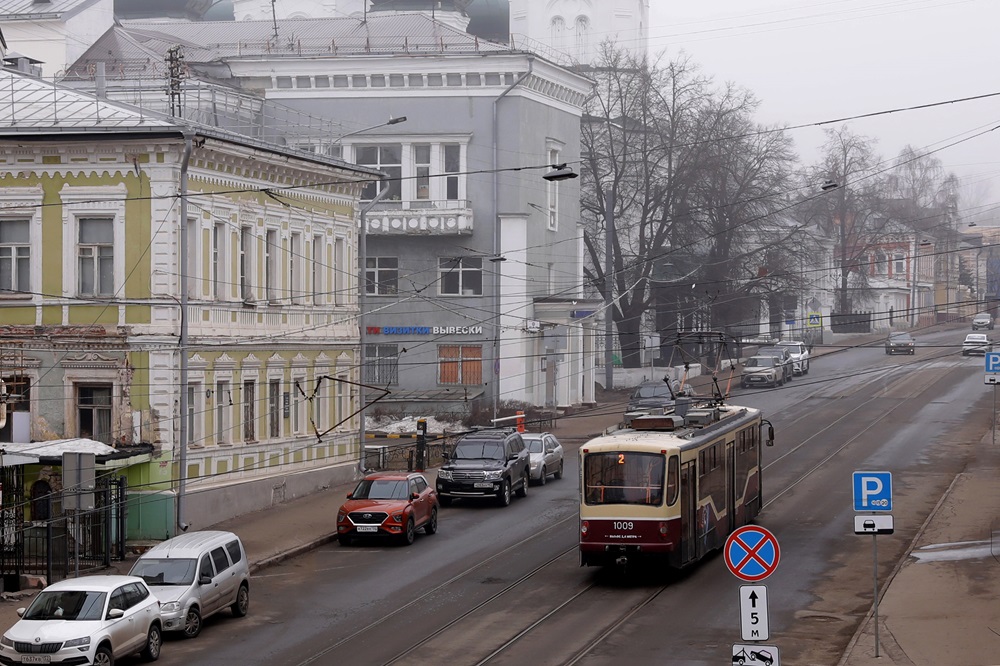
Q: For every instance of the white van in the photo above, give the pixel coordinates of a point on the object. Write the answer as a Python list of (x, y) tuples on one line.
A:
[(194, 576)]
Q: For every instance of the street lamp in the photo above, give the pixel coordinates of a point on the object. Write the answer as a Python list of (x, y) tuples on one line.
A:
[(391, 121)]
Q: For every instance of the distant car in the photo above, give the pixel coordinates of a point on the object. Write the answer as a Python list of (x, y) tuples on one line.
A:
[(762, 371), (652, 395), (546, 455), (976, 343), (983, 320), (900, 343), (88, 620), (799, 352), (784, 356), (393, 504)]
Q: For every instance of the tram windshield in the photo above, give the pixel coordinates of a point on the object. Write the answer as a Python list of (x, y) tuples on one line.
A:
[(623, 477)]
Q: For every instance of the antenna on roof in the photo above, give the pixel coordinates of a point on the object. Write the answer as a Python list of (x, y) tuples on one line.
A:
[(274, 21)]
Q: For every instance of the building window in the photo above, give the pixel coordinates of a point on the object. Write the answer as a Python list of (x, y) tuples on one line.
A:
[(298, 404), (195, 436), (274, 408), (249, 411), (341, 271), (15, 256), (317, 270), (552, 192), (460, 364), (461, 276), (246, 258), (219, 261), (96, 251), (93, 409), (387, 158), (582, 38), (557, 31), (452, 167), (381, 275), (295, 267), (881, 263), (223, 404), (422, 162), (271, 254), (317, 405), (381, 364), (340, 407), (899, 264), (17, 428)]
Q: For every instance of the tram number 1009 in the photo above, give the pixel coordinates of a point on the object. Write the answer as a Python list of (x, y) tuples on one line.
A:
[(622, 525)]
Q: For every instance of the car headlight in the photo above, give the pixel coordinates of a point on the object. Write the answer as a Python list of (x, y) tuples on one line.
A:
[(170, 607), (77, 642), (397, 517), (6, 641), (494, 475), (340, 516), (444, 474)]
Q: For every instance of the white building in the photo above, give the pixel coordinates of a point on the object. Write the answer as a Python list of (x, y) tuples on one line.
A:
[(578, 27), (55, 32)]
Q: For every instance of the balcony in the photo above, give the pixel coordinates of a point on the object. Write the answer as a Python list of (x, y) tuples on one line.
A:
[(421, 217)]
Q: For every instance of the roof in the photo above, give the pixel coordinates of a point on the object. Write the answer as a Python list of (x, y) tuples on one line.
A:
[(190, 544), (29, 9), (96, 583), (57, 447)]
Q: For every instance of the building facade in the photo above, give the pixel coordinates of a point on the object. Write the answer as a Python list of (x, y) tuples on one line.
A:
[(135, 250), (579, 27)]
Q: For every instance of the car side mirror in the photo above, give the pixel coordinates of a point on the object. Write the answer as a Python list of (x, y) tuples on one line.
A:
[(20, 612), (204, 580), (445, 456), (414, 496), (115, 613), (350, 495)]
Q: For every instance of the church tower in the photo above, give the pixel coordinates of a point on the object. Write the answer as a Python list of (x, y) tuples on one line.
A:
[(260, 10), (578, 27)]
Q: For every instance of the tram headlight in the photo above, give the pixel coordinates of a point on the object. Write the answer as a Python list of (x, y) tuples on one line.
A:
[(584, 526)]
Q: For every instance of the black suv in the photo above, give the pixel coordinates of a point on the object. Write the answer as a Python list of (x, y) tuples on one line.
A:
[(486, 463)]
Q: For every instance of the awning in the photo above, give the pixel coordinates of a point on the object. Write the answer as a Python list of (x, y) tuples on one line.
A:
[(16, 453)]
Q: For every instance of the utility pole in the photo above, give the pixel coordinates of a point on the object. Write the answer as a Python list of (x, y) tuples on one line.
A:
[(609, 283)]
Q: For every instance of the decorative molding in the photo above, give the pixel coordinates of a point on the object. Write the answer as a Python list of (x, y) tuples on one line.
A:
[(91, 360)]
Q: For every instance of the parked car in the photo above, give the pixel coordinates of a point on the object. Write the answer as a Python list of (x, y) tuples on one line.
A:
[(799, 352), (486, 463), (784, 357), (546, 455), (762, 371), (983, 320), (394, 504), (86, 620), (976, 343), (900, 343), (194, 576), (652, 395)]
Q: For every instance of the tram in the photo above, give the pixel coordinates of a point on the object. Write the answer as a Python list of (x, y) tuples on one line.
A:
[(671, 486)]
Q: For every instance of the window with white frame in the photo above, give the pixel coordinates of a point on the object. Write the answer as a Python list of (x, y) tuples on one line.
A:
[(460, 276), (381, 364), (341, 407), (15, 256), (96, 254), (341, 269), (317, 270), (422, 170), (317, 400), (223, 412), (881, 263), (381, 275), (249, 411), (552, 192), (274, 408), (219, 276), (93, 404), (899, 263), (295, 267), (246, 263), (195, 434), (452, 168), (298, 405), (388, 158), (194, 258), (271, 255)]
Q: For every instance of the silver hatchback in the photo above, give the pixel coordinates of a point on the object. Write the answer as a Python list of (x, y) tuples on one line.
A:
[(546, 456)]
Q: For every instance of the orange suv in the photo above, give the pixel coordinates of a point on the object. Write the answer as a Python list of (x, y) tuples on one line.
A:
[(394, 504)]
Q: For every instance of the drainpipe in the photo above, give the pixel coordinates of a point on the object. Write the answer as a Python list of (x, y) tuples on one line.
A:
[(362, 303), (496, 234), (183, 342)]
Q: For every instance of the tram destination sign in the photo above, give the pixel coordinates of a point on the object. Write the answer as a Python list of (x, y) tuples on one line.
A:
[(752, 553)]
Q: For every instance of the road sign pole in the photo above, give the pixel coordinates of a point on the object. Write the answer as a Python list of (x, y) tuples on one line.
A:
[(994, 415), (875, 577)]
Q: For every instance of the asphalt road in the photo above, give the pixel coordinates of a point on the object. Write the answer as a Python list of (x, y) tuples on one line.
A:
[(503, 585)]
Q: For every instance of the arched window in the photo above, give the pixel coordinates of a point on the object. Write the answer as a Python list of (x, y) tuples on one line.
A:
[(583, 38), (557, 30)]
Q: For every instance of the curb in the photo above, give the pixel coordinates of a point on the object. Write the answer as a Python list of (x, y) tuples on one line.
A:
[(295, 551)]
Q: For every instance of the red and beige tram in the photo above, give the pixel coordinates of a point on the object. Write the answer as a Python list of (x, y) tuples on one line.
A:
[(671, 486)]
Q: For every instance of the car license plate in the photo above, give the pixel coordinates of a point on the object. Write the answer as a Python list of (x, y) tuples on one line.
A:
[(368, 528), (36, 659), (481, 484)]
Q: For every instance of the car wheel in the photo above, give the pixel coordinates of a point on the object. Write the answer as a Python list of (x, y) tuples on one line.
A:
[(103, 657), (503, 497), (192, 623), (445, 501), (343, 540), (242, 603), (541, 479), (154, 640), (559, 471), (410, 533), (432, 525), (525, 480)]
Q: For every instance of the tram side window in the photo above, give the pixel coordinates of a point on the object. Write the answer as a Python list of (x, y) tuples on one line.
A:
[(708, 459), (624, 478), (673, 480)]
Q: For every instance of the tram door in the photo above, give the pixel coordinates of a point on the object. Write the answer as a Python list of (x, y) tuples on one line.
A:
[(689, 507), (731, 486)]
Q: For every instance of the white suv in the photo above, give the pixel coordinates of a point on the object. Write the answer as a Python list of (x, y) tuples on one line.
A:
[(799, 352), (87, 620)]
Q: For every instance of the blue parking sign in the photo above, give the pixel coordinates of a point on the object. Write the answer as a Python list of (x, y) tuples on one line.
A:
[(873, 491), (992, 361)]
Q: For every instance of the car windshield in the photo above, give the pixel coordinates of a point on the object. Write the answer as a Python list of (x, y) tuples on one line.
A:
[(899, 337), (652, 391), (975, 338), (165, 571), (760, 362), (376, 489), (793, 347), (79, 605), (479, 451), (534, 445)]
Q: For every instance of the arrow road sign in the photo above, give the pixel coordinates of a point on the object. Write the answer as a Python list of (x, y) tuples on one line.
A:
[(873, 491), (752, 553), (756, 655), (753, 613)]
